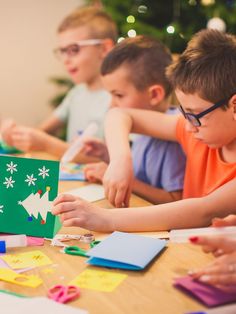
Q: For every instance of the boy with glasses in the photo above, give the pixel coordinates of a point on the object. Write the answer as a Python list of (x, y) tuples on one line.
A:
[(85, 37), (204, 75)]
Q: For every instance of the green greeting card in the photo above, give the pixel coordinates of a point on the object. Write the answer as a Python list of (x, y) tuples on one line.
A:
[(27, 189)]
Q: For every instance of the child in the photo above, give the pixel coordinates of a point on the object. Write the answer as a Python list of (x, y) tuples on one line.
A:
[(158, 165), (85, 37), (204, 78)]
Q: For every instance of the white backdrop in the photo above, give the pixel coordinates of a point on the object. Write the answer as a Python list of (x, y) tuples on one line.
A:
[(27, 38)]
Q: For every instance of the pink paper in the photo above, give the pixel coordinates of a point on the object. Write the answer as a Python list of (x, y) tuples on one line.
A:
[(34, 241), (209, 295)]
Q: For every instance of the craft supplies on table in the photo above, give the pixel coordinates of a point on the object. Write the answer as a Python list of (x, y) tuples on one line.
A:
[(63, 294), (125, 251)]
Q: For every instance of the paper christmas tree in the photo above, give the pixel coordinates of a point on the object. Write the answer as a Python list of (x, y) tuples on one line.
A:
[(27, 189)]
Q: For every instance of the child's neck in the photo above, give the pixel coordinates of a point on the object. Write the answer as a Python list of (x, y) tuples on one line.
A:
[(228, 152), (162, 106), (95, 83)]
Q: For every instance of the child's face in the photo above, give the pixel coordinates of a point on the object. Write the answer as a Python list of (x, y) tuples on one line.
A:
[(124, 93), (84, 66), (218, 127)]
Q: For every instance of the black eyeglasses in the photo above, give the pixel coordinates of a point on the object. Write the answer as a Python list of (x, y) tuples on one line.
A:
[(194, 119), (73, 49)]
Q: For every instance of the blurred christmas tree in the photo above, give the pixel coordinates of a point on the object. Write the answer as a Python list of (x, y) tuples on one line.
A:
[(172, 21)]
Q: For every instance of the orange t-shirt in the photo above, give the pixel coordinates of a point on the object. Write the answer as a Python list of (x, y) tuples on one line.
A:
[(205, 170)]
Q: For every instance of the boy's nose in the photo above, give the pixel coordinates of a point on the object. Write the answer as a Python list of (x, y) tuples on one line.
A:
[(190, 127)]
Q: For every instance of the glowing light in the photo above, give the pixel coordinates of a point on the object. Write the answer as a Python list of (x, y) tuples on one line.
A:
[(120, 39), (216, 23), (130, 19), (132, 33), (207, 2), (192, 2), (170, 29), (142, 9)]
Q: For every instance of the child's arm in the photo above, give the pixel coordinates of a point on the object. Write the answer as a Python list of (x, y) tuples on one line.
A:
[(119, 123), (51, 125), (153, 194), (187, 213)]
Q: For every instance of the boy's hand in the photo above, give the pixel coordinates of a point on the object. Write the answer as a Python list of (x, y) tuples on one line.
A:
[(6, 130), (217, 245), (95, 147), (94, 172), (76, 212), (118, 182), (28, 139)]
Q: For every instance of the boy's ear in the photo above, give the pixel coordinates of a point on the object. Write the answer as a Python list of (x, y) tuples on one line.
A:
[(233, 104), (107, 46), (156, 94)]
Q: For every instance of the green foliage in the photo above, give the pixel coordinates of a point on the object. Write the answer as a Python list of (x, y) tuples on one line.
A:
[(187, 16), (64, 85)]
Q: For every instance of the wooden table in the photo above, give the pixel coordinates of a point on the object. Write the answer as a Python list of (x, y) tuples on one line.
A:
[(142, 292)]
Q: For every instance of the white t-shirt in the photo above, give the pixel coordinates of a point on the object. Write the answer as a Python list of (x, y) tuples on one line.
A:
[(82, 106)]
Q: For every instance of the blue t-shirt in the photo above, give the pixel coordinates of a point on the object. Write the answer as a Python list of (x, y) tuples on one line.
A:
[(159, 163)]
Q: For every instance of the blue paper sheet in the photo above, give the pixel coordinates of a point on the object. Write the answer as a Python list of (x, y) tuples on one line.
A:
[(125, 251)]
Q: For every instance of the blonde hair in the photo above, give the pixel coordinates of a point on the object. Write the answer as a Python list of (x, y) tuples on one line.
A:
[(99, 23)]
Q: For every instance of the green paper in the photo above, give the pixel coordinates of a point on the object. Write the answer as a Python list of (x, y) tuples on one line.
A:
[(27, 186)]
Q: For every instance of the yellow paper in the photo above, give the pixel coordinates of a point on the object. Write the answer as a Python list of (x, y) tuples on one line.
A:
[(26, 260), (98, 280), (22, 280)]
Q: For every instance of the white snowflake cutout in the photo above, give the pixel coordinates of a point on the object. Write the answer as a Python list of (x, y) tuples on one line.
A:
[(30, 179), (11, 167), (9, 182), (43, 172), (1, 209)]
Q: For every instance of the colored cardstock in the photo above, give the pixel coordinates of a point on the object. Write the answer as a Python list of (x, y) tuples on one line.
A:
[(98, 280), (207, 294), (9, 275), (125, 251), (71, 172), (27, 259), (27, 189)]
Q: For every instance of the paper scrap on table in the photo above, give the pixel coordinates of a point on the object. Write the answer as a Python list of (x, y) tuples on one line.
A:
[(91, 192), (22, 280), (35, 241), (27, 259), (98, 280), (37, 305), (5, 265)]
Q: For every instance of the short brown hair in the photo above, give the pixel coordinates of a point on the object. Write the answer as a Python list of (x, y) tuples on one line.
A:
[(99, 22), (207, 66), (147, 59)]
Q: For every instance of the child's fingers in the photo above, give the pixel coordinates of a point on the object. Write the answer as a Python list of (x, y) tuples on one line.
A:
[(73, 222), (64, 198), (62, 208), (120, 196)]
